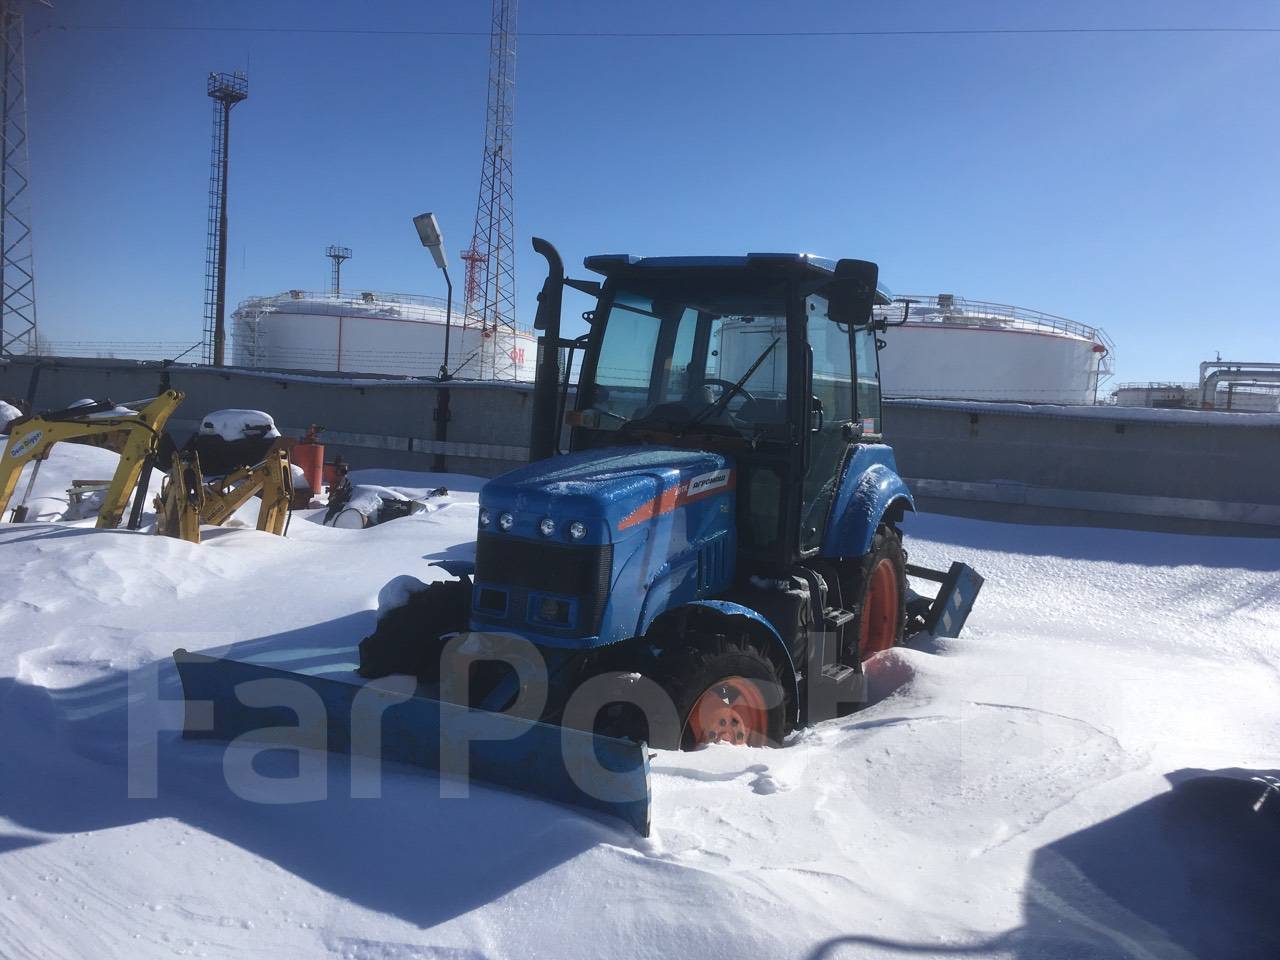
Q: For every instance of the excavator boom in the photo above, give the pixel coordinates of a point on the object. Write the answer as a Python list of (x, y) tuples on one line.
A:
[(133, 434), (187, 500)]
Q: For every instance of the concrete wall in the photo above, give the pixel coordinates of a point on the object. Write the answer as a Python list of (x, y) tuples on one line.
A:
[(370, 422), (1184, 471)]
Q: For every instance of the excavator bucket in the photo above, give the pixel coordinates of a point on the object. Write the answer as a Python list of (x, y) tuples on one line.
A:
[(333, 709)]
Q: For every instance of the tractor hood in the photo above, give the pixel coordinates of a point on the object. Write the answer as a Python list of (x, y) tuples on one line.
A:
[(611, 490)]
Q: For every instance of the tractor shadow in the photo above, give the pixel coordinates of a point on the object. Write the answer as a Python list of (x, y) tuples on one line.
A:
[(411, 853), (1192, 872), (1197, 867)]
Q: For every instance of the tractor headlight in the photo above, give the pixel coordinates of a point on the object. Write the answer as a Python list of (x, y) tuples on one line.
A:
[(577, 530), (485, 517), (506, 521), (546, 526)]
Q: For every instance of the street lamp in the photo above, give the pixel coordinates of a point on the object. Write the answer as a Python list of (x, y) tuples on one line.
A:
[(429, 233)]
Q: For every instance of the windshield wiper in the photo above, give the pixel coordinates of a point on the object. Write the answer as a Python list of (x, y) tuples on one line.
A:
[(609, 413), (718, 407)]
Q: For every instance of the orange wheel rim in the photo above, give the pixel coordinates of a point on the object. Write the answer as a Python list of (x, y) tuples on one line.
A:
[(730, 711), (879, 628)]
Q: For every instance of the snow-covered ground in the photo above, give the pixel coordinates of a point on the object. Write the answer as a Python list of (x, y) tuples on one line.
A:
[(1008, 794), (49, 498)]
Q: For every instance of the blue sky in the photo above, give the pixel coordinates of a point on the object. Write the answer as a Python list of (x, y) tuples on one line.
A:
[(1127, 181)]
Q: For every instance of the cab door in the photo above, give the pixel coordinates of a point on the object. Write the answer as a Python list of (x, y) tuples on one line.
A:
[(831, 417)]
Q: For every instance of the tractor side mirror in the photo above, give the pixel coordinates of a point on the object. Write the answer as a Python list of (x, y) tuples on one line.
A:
[(816, 415), (884, 323), (852, 292)]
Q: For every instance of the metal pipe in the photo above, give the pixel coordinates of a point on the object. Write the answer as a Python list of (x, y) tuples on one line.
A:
[(20, 511), (220, 293), (1208, 365), (544, 434), (442, 417), (448, 323), (1261, 373)]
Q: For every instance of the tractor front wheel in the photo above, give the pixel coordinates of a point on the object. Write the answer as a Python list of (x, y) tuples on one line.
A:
[(729, 694)]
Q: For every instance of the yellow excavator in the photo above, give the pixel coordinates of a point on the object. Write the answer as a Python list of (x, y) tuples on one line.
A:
[(187, 500), (133, 430)]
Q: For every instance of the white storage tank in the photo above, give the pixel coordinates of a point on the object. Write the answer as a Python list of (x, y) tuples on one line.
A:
[(370, 332), (957, 349)]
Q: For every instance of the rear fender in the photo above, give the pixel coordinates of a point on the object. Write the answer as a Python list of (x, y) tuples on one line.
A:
[(870, 489), (737, 615)]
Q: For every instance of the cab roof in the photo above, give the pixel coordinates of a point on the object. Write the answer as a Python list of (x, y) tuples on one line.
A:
[(616, 264)]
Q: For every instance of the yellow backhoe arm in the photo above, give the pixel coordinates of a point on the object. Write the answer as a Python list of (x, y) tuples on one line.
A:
[(31, 440), (181, 500), (277, 493), (143, 441), (186, 500)]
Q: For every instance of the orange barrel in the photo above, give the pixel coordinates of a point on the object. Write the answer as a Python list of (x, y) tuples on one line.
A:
[(308, 454)]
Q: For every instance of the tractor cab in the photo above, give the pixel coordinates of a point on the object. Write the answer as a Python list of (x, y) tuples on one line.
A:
[(769, 359)]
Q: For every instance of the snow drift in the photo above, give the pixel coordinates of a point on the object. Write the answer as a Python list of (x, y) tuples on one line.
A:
[(1025, 791)]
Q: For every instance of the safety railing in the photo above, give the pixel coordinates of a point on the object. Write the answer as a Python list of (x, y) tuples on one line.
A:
[(364, 301), (1160, 385), (947, 310)]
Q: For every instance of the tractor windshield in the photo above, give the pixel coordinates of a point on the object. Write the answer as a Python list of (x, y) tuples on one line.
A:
[(674, 357)]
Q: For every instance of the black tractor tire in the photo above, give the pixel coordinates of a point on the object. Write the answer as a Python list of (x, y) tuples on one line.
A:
[(877, 584), (407, 638), (716, 668)]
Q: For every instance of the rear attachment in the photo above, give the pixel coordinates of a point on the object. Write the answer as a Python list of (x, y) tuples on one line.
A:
[(374, 720), (946, 613)]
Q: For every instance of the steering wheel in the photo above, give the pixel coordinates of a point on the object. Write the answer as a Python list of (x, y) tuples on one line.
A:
[(727, 385)]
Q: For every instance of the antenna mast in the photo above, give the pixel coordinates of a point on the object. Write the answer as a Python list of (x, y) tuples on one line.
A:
[(17, 267), (490, 287)]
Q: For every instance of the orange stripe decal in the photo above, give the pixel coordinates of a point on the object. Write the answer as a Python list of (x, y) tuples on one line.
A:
[(697, 488)]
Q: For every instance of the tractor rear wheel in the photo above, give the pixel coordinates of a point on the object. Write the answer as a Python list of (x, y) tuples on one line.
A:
[(880, 591)]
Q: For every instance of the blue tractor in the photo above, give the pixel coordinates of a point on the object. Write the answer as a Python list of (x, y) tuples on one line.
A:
[(707, 537)]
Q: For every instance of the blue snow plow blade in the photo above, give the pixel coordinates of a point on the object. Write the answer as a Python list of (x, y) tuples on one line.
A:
[(367, 719)]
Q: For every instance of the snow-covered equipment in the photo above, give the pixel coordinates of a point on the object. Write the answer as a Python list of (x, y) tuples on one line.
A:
[(187, 499), (357, 506), (134, 430), (230, 440), (239, 425), (8, 413), (711, 559)]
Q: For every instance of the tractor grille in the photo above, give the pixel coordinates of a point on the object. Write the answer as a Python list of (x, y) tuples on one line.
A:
[(525, 567)]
